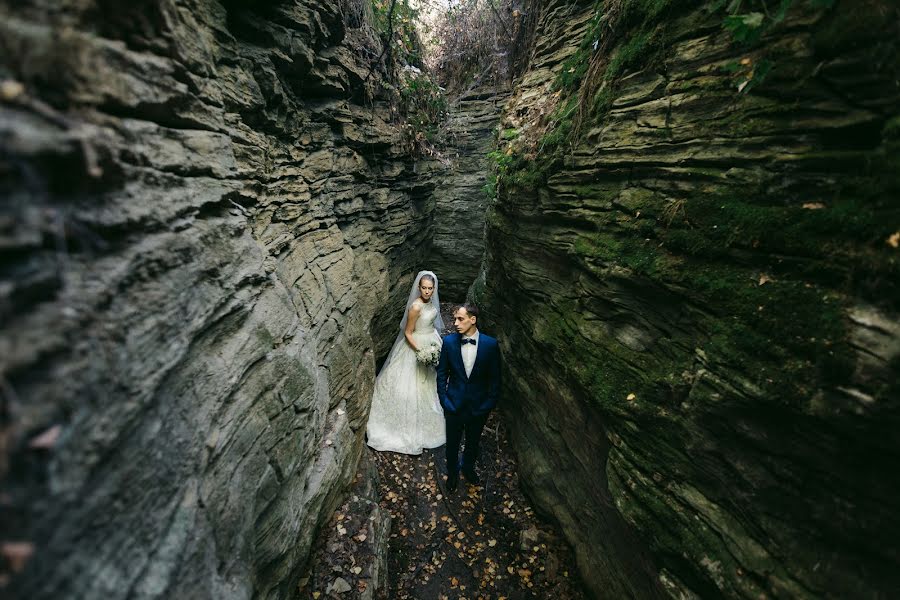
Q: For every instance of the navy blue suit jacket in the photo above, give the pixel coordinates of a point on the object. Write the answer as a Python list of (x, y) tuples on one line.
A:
[(473, 395)]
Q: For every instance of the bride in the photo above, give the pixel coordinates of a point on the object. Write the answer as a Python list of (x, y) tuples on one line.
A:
[(406, 415)]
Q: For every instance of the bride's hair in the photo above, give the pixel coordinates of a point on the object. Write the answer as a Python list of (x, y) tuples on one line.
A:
[(428, 277)]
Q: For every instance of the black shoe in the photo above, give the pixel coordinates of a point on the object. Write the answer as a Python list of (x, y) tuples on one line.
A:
[(471, 476), (452, 482)]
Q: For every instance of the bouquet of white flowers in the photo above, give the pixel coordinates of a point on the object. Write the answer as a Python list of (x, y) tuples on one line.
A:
[(429, 355)]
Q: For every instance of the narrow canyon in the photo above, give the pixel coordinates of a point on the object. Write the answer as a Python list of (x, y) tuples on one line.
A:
[(681, 220)]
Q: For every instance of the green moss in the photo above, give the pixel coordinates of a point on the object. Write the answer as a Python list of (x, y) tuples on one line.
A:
[(791, 331), (509, 134), (556, 138), (575, 67), (629, 54), (599, 247), (842, 29), (603, 100), (716, 223), (891, 132), (512, 169)]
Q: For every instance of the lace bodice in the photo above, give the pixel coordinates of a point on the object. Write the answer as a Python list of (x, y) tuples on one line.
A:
[(425, 322)]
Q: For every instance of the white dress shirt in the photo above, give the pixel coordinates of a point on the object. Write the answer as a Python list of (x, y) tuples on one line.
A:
[(469, 351)]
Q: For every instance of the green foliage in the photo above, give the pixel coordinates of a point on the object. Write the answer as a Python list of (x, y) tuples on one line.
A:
[(560, 128), (575, 67), (746, 27), (512, 169), (423, 102), (748, 20), (423, 106), (490, 188), (401, 27)]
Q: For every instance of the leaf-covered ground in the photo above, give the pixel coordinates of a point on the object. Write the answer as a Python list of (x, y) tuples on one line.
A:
[(480, 542)]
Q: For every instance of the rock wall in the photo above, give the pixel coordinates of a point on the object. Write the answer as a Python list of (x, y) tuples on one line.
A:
[(460, 198), (693, 272), (206, 234)]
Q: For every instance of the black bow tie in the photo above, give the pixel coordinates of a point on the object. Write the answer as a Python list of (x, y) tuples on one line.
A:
[(468, 341)]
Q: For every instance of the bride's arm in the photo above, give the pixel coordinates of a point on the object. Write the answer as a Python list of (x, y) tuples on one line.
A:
[(414, 311)]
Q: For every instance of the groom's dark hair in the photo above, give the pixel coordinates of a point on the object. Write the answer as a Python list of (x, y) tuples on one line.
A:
[(471, 309)]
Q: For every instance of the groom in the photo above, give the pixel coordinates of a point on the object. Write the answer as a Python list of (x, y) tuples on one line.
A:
[(468, 385)]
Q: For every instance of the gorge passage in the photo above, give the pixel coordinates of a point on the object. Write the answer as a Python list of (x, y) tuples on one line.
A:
[(680, 220)]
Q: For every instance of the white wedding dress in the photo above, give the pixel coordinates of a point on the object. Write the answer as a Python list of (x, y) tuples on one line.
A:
[(406, 415)]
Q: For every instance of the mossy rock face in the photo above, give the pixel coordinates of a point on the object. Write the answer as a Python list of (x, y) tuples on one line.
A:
[(706, 274)]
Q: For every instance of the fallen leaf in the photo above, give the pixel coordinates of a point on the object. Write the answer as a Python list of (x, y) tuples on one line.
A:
[(894, 240), (813, 205), (631, 397), (11, 89), (46, 440), (492, 543), (17, 553), (763, 278)]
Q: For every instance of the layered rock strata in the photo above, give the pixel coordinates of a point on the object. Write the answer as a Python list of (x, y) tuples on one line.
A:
[(698, 297), (204, 221), (460, 194)]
